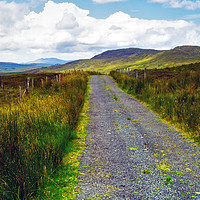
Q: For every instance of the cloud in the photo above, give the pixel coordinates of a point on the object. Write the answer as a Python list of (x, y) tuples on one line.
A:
[(63, 29), (11, 15), (107, 1), (196, 16), (68, 22), (188, 4), (36, 3)]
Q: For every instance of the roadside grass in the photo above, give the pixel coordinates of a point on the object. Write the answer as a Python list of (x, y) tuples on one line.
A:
[(173, 93), (62, 184), (36, 134)]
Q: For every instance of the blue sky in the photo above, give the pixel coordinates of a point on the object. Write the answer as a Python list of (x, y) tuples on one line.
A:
[(73, 29), (145, 9)]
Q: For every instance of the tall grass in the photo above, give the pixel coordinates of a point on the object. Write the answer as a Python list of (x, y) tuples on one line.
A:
[(173, 93), (34, 134)]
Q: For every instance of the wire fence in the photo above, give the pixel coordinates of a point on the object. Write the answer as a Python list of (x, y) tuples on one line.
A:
[(21, 88), (134, 73)]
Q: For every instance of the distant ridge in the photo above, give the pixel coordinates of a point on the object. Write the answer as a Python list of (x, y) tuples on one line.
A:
[(42, 62), (49, 61), (110, 54), (132, 58)]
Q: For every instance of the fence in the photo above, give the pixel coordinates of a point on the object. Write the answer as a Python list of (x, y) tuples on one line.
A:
[(7, 92), (134, 73)]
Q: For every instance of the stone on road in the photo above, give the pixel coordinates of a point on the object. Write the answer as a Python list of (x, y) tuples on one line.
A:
[(131, 154)]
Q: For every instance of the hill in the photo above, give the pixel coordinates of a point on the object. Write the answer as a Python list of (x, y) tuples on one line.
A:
[(9, 66), (122, 53), (49, 61), (132, 58), (6, 67)]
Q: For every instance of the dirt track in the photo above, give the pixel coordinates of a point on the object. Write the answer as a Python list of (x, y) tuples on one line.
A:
[(131, 154)]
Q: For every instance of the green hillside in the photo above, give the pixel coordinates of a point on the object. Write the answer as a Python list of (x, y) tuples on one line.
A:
[(132, 58)]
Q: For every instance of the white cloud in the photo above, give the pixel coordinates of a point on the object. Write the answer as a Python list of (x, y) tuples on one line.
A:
[(65, 31), (11, 15), (196, 16), (107, 1), (188, 4), (68, 22)]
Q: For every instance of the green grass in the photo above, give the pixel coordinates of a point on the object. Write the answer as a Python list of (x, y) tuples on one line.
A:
[(61, 185), (36, 135)]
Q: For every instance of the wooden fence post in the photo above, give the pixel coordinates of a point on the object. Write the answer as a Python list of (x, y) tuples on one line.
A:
[(136, 74), (8, 93), (2, 84), (60, 77), (56, 78), (32, 82), (20, 93), (27, 85), (132, 73), (145, 73), (42, 81)]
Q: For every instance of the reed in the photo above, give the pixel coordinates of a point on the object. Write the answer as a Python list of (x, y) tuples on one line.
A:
[(35, 133)]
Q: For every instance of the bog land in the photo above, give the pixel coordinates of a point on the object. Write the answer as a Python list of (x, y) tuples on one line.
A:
[(130, 152)]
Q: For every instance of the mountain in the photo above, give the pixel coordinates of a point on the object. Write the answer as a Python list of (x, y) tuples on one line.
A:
[(9, 66), (49, 61), (133, 58), (122, 53), (42, 62)]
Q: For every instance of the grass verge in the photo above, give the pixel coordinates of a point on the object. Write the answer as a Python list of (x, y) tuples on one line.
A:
[(174, 95), (62, 185)]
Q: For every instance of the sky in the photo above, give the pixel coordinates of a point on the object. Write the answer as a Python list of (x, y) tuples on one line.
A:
[(78, 29)]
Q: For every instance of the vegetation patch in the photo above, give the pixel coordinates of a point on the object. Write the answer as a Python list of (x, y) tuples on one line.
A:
[(163, 167), (36, 135), (171, 92), (133, 149), (147, 171), (168, 180)]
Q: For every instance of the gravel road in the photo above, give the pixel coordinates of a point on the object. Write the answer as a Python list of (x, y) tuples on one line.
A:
[(131, 154)]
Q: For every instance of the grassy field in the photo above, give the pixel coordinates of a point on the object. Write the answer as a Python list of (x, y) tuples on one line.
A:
[(174, 93), (36, 131)]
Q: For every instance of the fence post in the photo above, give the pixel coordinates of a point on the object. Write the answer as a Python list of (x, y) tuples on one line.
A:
[(2, 84), (145, 73), (46, 79), (32, 82), (132, 73), (56, 78), (60, 77), (42, 81), (8, 93), (27, 85), (20, 93), (136, 74)]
